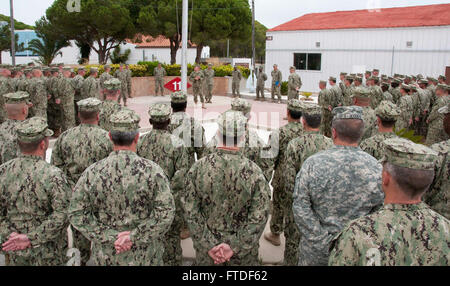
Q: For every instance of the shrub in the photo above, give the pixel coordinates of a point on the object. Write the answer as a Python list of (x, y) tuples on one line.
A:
[(284, 88)]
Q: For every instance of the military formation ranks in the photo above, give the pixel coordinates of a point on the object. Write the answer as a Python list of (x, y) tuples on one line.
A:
[(347, 190)]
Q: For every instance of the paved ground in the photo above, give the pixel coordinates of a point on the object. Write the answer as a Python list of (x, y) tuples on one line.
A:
[(265, 116)]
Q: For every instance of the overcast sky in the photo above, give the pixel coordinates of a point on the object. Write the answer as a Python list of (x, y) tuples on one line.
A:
[(271, 13)]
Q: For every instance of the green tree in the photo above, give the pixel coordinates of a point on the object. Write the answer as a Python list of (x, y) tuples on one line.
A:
[(103, 24), (220, 19), (49, 44), (17, 25), (5, 41), (119, 58), (242, 48), (85, 52), (161, 17)]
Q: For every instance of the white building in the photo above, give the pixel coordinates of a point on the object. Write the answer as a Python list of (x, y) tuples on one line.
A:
[(149, 50), (409, 40)]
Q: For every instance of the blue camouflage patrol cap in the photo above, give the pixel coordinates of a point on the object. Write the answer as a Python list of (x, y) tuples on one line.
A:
[(348, 112), (17, 97), (178, 97), (89, 104), (405, 153), (160, 112), (232, 123), (125, 120), (242, 105), (33, 130)]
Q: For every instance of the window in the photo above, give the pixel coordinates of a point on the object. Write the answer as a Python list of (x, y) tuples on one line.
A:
[(409, 44), (317, 44), (311, 62)]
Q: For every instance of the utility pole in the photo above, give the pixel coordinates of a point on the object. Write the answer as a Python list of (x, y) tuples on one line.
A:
[(253, 37), (184, 41), (13, 35)]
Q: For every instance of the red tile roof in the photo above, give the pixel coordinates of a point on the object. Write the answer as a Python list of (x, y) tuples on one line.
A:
[(142, 41), (417, 16)]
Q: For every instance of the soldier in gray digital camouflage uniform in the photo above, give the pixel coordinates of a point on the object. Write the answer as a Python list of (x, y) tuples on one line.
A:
[(298, 150), (123, 204), (334, 187), (159, 73), (279, 141), (405, 231), (16, 107), (34, 197), (110, 105), (226, 200), (438, 198), (77, 149), (294, 84), (209, 83), (196, 78), (387, 114), (361, 97), (168, 152)]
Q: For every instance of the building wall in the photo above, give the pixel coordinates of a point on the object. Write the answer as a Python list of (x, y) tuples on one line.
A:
[(358, 50)]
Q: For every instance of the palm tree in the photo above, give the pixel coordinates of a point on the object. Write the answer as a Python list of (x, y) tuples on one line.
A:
[(47, 49), (49, 44)]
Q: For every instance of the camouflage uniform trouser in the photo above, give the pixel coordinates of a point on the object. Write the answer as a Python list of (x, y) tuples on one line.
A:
[(172, 244), (54, 116), (276, 90), (401, 124), (235, 87), (208, 92), (293, 94), (123, 95), (197, 89), (68, 114), (260, 91), (278, 210), (248, 259), (159, 86), (292, 234), (325, 126), (83, 245)]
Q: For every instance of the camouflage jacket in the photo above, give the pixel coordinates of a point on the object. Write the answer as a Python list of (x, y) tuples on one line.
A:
[(38, 97), (406, 105), (191, 132), (159, 74), (376, 96), (34, 197), (277, 76), (326, 99), (396, 94), (374, 145), (226, 199), (123, 77), (278, 142), (123, 192), (294, 81), (168, 152), (253, 149), (370, 122), (109, 107), (388, 96), (209, 76), (77, 84), (297, 152), (90, 88), (195, 82), (261, 79), (4, 89), (332, 188), (438, 197), (103, 78), (8, 141), (337, 96), (396, 235), (435, 118), (237, 76), (80, 147)]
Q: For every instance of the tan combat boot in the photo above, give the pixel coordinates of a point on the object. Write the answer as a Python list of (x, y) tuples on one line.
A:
[(273, 238)]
